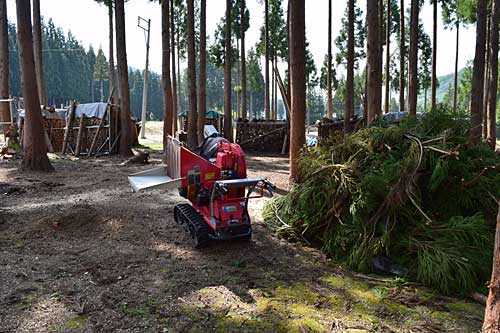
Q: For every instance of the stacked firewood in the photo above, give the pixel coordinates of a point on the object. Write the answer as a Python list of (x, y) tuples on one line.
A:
[(263, 136)]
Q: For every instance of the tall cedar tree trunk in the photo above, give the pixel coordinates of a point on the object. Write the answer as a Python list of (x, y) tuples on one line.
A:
[(349, 95), (37, 44), (228, 126), (455, 80), (273, 116), (174, 74), (276, 88), (35, 148), (298, 84), (402, 53), (192, 136), (267, 105), (493, 80), (4, 66), (486, 79), (413, 69), (288, 89), (202, 99), (434, 55), (168, 102), (111, 69), (387, 57), (492, 314), (179, 90), (243, 65), (121, 57), (238, 78), (477, 94), (374, 91), (330, 95)]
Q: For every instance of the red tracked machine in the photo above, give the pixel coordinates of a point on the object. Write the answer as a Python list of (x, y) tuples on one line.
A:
[(215, 182)]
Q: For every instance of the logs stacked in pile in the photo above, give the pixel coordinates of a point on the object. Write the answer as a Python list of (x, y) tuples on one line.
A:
[(327, 127), (89, 129), (261, 135), (55, 129)]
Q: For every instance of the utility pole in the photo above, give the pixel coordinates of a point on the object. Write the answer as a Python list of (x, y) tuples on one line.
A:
[(147, 31)]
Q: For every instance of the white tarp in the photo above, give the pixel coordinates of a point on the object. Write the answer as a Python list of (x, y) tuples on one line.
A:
[(95, 110)]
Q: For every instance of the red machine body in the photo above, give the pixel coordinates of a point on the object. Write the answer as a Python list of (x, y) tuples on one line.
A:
[(216, 184)]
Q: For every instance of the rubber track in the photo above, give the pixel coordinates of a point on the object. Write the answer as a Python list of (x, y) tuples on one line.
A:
[(193, 222)]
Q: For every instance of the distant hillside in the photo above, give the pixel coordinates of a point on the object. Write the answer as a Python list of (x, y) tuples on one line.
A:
[(444, 84)]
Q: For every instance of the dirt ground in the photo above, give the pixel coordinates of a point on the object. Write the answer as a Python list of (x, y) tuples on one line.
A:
[(79, 252)]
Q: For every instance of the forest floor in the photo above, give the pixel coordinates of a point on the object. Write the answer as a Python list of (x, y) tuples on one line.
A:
[(79, 252)]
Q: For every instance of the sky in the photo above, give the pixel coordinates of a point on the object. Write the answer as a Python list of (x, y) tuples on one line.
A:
[(88, 21)]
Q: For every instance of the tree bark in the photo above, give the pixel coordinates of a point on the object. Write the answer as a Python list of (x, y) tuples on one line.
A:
[(35, 148), (434, 55), (492, 314), (4, 66), (493, 79), (179, 78), (37, 44), (484, 127), (455, 81), (228, 126), (168, 102), (374, 73), (267, 105), (413, 68), (276, 89), (402, 53), (121, 54), (349, 95), (243, 66), (192, 137), (388, 58), (298, 85), (111, 70), (329, 88), (174, 74), (477, 94), (202, 99)]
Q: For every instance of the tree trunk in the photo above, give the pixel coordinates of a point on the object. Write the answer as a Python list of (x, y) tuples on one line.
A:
[(121, 54), (174, 74), (477, 94), (349, 95), (486, 79), (102, 90), (455, 81), (168, 102), (4, 66), (388, 58), (243, 66), (202, 99), (251, 105), (492, 314), (374, 91), (425, 100), (329, 86), (493, 80), (238, 78), (228, 126), (298, 84), (35, 148), (402, 53), (266, 66), (192, 137), (413, 69), (273, 94), (276, 89), (37, 45), (434, 55), (179, 78), (111, 75)]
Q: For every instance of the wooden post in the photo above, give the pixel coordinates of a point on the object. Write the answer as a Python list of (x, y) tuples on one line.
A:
[(69, 124), (492, 314), (101, 123), (79, 137)]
